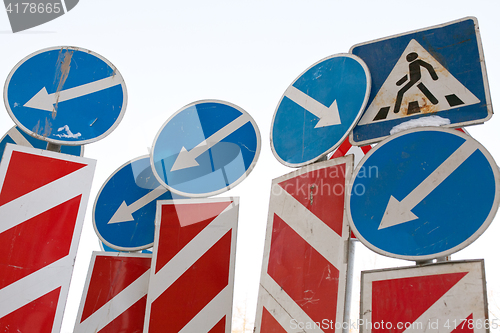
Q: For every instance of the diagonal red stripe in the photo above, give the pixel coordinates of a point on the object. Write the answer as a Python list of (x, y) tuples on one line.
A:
[(37, 316), (130, 321), (181, 223), (193, 290), (303, 273), (37, 242), (322, 192), (220, 327), (466, 326), (342, 149), (111, 274), (404, 300), (27, 172), (366, 148), (269, 324)]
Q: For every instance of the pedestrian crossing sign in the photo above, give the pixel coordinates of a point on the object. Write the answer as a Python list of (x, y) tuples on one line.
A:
[(434, 76)]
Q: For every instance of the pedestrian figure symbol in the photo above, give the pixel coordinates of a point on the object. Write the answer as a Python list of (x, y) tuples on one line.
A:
[(415, 76), (434, 76), (417, 84)]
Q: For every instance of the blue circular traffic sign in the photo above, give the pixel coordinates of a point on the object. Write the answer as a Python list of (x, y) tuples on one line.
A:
[(205, 148), (422, 194), (319, 109), (125, 208), (65, 95)]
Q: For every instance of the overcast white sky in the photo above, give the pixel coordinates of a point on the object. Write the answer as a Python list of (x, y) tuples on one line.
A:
[(172, 53)]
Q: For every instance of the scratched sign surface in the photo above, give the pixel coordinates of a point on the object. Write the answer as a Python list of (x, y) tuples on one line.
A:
[(65, 95), (304, 268), (43, 198), (442, 298), (436, 72), (319, 109)]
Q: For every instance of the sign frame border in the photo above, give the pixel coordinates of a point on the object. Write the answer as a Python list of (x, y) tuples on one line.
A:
[(224, 189), (344, 271), (415, 268), (90, 270), (482, 63), (62, 142), (464, 244), (98, 234), (351, 127)]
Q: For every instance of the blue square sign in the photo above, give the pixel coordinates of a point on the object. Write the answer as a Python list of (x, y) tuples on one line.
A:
[(434, 76)]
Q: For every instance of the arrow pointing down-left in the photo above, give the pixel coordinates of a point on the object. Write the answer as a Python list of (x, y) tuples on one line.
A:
[(398, 212), (187, 159), (124, 212), (45, 101)]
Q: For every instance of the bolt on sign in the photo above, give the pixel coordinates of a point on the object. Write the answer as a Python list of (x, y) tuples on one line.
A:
[(444, 297), (43, 197), (192, 275), (114, 296), (304, 269)]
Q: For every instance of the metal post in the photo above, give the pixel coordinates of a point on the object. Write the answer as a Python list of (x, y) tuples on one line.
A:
[(53, 147), (348, 284), (443, 259)]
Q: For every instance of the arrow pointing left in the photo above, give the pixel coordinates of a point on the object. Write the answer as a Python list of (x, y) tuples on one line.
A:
[(45, 101), (124, 212)]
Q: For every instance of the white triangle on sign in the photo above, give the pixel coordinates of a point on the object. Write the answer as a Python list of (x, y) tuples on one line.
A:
[(420, 85)]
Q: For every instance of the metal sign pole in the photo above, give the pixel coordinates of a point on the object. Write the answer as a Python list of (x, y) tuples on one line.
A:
[(349, 280), (53, 147)]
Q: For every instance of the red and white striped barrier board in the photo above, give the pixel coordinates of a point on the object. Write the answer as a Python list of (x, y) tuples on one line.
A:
[(43, 197), (303, 281), (192, 275), (347, 149), (114, 297), (444, 297)]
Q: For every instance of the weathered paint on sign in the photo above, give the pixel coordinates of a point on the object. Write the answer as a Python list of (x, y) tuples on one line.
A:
[(114, 296), (304, 270), (443, 297), (434, 76), (192, 275), (43, 197)]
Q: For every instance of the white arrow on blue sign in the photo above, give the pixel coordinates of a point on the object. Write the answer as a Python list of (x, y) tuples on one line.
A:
[(205, 148), (125, 208), (65, 95), (423, 193), (319, 109), (437, 71)]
